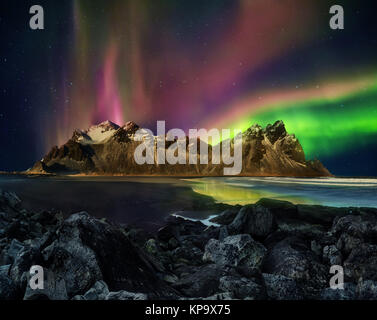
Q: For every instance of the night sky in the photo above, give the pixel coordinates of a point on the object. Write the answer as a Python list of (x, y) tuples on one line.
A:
[(194, 64)]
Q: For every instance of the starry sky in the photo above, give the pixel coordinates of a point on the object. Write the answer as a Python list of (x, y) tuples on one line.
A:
[(194, 64)]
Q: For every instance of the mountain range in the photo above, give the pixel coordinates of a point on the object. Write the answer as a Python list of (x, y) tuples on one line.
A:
[(108, 149)]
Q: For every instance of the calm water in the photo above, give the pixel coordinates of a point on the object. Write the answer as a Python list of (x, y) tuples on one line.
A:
[(337, 192), (146, 202)]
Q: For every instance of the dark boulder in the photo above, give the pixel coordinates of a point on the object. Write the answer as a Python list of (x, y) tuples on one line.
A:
[(347, 293), (279, 208), (366, 290), (347, 243), (88, 250), (125, 295), (362, 263), (256, 220), (8, 289), (238, 250), (23, 261), (362, 227), (227, 216), (242, 288), (188, 252), (294, 259), (54, 288), (9, 203), (282, 288), (332, 256), (320, 214), (204, 282), (9, 253)]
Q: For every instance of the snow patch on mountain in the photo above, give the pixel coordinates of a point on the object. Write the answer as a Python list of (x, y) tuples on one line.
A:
[(96, 134)]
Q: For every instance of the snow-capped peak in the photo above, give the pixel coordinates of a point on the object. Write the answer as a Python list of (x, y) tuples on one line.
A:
[(106, 126), (97, 133)]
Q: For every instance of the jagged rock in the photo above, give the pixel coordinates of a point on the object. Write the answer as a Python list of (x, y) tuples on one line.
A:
[(241, 288), (170, 278), (82, 252), (254, 132), (4, 269), (276, 131), (99, 291), (348, 293), (47, 218), (125, 295), (366, 290), (320, 214), (9, 201), (186, 233), (347, 243), (362, 263), (332, 256), (8, 289), (77, 264), (311, 214), (173, 244), (24, 260), (279, 287), (188, 252), (238, 250), (294, 259), (316, 248), (138, 236), (168, 232), (186, 227), (223, 233), (152, 247), (279, 208), (9, 253), (54, 288), (131, 127), (204, 282), (3, 222), (355, 225), (256, 220), (354, 230), (158, 257), (227, 216)]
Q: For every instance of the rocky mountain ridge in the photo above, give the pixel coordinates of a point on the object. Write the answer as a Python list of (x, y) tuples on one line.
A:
[(108, 149)]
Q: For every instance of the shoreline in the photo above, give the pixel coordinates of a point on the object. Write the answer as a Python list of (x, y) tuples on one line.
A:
[(24, 173)]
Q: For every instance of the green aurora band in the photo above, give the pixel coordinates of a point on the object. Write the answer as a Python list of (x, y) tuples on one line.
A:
[(324, 126)]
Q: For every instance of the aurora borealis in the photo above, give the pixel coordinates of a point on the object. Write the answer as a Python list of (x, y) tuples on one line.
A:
[(194, 64)]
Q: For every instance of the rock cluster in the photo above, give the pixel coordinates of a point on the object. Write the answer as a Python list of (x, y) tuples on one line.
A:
[(272, 250)]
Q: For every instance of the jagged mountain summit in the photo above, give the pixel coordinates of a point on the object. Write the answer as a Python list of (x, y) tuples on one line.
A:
[(108, 149)]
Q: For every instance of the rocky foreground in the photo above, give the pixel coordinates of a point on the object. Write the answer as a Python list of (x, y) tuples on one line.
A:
[(271, 250)]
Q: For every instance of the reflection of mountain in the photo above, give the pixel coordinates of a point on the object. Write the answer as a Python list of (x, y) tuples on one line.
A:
[(109, 149)]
